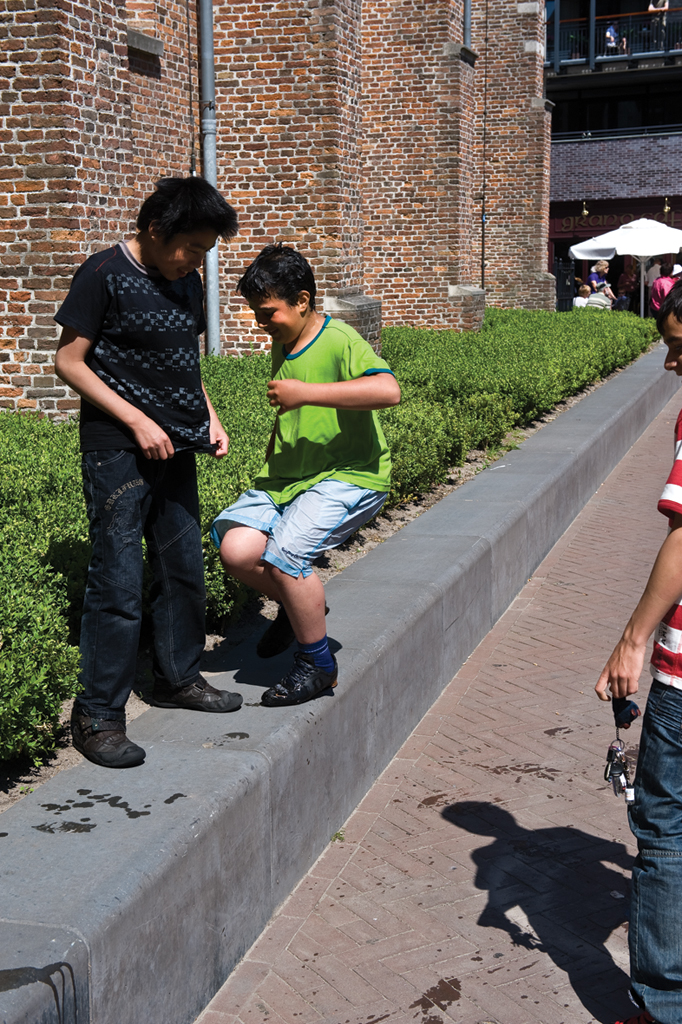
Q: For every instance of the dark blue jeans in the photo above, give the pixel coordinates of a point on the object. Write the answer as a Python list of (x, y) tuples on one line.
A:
[(129, 497), (656, 821)]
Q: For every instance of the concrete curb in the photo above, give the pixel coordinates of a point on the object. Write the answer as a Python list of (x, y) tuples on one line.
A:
[(129, 896)]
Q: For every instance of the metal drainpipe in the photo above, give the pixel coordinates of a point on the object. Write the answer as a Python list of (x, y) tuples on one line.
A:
[(467, 24), (209, 166), (591, 37)]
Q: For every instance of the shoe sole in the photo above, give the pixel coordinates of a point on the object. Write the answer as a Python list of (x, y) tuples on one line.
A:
[(285, 703), (94, 759), (196, 707)]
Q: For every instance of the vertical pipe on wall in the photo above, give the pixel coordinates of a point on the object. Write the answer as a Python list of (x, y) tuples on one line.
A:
[(557, 36), (591, 29), (467, 24), (209, 166)]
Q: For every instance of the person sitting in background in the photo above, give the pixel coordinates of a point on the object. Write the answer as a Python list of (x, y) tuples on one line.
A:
[(599, 299), (597, 279), (660, 288), (583, 295)]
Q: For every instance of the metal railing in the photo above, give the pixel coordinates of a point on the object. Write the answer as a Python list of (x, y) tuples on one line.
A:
[(617, 133), (623, 36)]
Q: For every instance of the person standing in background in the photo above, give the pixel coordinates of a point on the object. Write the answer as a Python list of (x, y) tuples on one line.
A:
[(661, 287)]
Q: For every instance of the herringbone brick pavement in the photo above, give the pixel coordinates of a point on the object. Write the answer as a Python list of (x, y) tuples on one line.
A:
[(485, 876)]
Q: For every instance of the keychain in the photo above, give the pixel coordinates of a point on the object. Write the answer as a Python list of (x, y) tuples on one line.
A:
[(616, 772)]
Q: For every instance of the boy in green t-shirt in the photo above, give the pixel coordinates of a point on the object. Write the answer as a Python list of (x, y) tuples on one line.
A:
[(327, 467)]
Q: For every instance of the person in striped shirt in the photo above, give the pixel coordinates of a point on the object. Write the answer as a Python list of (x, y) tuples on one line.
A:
[(655, 933)]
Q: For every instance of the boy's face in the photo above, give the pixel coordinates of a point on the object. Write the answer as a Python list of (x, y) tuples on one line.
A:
[(181, 254), (672, 336), (281, 321)]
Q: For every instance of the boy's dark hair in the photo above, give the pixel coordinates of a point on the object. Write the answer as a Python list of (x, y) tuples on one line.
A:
[(278, 271), (666, 270), (671, 305), (182, 205)]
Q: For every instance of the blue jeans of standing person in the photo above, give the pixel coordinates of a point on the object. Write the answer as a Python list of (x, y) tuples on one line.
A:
[(130, 498), (656, 821)]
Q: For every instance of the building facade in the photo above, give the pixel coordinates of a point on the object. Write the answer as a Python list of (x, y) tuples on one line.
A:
[(368, 133), (615, 77)]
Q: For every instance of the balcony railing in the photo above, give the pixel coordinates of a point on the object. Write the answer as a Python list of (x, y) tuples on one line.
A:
[(623, 37), (600, 134)]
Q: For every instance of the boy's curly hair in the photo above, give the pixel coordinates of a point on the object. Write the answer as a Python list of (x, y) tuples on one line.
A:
[(280, 272)]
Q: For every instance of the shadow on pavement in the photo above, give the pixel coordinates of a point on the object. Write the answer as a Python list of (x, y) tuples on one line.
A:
[(570, 899)]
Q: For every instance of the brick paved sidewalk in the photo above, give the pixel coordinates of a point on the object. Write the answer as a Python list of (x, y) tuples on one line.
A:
[(484, 878)]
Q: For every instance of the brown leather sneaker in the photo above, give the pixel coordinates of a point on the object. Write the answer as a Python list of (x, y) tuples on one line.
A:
[(104, 742), (199, 696)]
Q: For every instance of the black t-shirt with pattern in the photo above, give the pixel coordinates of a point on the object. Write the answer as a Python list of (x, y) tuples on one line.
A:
[(145, 333)]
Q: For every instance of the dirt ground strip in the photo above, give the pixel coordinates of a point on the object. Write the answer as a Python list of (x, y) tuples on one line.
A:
[(19, 777)]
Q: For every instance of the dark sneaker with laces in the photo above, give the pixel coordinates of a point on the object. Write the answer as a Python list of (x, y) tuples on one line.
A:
[(104, 742), (278, 636), (198, 696), (304, 681)]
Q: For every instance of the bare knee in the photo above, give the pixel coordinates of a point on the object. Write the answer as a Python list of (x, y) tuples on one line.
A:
[(242, 548)]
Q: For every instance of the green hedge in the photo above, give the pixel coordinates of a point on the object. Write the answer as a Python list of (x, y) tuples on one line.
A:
[(460, 391), (472, 388)]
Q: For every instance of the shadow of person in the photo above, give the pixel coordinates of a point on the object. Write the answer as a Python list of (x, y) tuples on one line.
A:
[(565, 900)]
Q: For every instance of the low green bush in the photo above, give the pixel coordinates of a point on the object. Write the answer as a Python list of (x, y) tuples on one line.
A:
[(531, 358), (460, 391)]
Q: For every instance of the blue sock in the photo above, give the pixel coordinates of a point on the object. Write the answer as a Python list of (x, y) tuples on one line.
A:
[(320, 654)]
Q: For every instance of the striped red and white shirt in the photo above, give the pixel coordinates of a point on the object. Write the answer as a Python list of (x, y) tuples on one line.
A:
[(666, 660)]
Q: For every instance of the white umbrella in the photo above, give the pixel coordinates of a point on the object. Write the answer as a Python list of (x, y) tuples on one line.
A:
[(642, 239)]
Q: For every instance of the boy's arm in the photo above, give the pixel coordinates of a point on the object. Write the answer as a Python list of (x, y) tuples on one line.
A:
[(218, 432), (70, 364), (623, 669), (372, 391)]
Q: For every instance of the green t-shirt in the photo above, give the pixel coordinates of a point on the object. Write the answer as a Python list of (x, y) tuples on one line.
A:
[(313, 443)]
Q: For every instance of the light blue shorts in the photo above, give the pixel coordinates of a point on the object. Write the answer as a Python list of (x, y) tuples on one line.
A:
[(298, 532)]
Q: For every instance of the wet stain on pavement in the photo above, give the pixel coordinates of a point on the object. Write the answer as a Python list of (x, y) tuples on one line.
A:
[(538, 770), (84, 824), (558, 729), (176, 796), (437, 800), (440, 996), (52, 827)]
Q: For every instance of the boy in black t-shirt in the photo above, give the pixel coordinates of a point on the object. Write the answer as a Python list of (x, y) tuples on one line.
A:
[(130, 348)]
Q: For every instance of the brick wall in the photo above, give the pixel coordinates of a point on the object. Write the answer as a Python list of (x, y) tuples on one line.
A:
[(65, 122), (83, 138), (418, 128), (288, 107), (517, 153), (616, 168)]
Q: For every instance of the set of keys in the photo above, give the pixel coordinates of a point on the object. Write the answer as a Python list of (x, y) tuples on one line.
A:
[(617, 772)]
